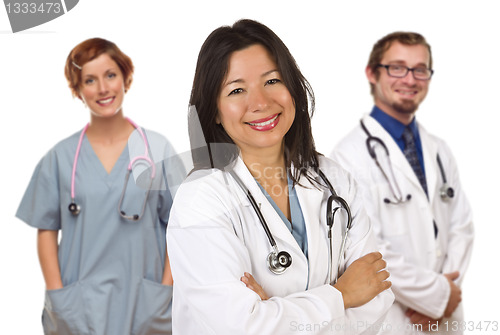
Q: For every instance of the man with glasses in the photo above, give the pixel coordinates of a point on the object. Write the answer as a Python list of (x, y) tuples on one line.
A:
[(412, 193)]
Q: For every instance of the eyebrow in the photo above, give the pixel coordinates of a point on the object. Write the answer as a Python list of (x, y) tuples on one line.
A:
[(241, 80), (105, 72), (400, 62)]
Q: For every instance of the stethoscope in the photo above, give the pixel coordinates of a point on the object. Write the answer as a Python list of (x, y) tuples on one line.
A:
[(446, 192), (74, 208), (279, 261)]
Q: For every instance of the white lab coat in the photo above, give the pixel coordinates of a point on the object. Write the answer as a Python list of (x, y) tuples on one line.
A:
[(416, 259), (214, 236)]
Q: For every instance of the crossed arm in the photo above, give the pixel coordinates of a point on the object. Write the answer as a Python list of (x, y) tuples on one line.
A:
[(364, 279), (453, 301)]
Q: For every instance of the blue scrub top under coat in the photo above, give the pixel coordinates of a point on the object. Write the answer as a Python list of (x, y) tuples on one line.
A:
[(111, 268), (297, 227)]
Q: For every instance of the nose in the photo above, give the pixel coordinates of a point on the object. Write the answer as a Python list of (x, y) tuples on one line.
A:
[(409, 79), (103, 87), (259, 99)]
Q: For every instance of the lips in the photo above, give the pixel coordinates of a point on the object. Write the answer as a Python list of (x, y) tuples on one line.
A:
[(407, 93), (265, 123), (106, 101)]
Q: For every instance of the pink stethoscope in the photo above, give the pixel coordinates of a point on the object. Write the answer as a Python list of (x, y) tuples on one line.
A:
[(75, 209)]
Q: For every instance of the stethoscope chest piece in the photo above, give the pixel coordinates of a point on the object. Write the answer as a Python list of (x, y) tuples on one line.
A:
[(279, 262), (74, 208), (446, 192)]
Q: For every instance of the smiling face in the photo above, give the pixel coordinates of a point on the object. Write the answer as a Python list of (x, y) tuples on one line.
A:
[(400, 97), (255, 107), (102, 88)]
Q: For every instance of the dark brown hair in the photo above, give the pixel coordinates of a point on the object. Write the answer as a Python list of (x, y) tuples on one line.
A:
[(211, 69)]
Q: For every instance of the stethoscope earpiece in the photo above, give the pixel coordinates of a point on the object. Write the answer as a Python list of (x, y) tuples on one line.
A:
[(397, 201), (74, 208), (134, 217), (279, 262)]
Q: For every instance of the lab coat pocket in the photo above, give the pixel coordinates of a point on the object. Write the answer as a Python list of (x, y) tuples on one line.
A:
[(64, 312), (393, 217), (154, 309)]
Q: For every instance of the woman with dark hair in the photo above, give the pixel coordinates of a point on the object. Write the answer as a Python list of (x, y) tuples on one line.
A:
[(257, 202), (108, 273)]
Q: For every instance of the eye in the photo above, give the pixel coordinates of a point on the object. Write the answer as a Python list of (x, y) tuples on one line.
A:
[(236, 91), (420, 70), (396, 67), (111, 75), (89, 81), (273, 81)]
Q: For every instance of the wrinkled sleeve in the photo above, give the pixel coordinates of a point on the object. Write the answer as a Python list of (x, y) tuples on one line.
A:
[(40, 205), (361, 241), (174, 172)]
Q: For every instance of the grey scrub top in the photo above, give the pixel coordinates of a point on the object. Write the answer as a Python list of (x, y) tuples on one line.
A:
[(111, 267)]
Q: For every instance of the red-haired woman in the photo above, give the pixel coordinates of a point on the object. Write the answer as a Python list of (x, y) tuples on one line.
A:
[(109, 272)]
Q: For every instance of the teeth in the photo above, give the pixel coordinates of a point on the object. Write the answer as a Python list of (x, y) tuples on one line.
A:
[(108, 100), (264, 123)]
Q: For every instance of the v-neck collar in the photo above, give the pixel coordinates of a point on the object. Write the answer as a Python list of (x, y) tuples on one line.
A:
[(118, 168), (282, 215)]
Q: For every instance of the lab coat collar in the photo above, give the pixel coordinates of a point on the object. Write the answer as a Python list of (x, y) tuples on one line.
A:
[(310, 199), (398, 159), (312, 202), (242, 171), (304, 187), (280, 232)]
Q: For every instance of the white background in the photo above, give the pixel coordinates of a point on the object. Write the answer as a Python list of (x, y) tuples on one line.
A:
[(330, 40)]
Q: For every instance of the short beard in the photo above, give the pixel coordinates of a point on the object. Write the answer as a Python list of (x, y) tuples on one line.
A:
[(405, 107)]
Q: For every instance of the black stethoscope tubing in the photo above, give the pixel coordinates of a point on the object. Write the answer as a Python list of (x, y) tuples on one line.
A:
[(446, 192), (396, 191), (279, 261), (256, 207), (330, 215)]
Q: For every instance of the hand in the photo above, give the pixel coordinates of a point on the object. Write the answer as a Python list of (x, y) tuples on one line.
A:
[(53, 286), (252, 284), (47, 253), (167, 278), (427, 323), (455, 294), (364, 279)]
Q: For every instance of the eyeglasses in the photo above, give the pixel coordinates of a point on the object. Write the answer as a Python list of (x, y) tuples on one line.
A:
[(400, 71)]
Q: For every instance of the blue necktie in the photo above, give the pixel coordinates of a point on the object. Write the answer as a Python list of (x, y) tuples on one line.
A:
[(411, 155)]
